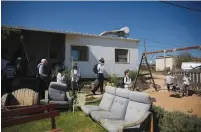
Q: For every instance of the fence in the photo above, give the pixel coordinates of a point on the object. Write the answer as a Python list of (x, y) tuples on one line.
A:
[(195, 77)]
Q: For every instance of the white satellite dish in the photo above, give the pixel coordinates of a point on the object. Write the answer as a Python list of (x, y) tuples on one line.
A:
[(125, 29)]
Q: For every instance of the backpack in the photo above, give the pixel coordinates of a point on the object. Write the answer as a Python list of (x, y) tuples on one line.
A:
[(95, 69)]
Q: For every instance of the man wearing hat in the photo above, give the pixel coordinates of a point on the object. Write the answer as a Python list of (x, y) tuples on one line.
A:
[(100, 76), (41, 77)]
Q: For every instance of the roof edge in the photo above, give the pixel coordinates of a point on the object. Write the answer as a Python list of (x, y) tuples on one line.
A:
[(71, 33)]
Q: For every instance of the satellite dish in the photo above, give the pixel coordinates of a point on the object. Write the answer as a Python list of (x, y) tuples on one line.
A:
[(125, 29)]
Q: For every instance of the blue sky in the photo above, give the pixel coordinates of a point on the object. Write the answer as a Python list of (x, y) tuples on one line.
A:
[(165, 26)]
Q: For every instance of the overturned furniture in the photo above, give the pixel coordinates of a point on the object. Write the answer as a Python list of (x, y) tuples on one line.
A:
[(30, 114), (19, 98), (122, 110), (178, 88), (58, 94)]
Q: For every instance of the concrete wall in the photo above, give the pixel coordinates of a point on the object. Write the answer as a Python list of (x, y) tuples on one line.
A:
[(160, 63), (101, 47)]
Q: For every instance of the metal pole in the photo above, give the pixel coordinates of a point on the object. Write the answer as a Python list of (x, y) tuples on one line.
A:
[(164, 60), (145, 50), (171, 50)]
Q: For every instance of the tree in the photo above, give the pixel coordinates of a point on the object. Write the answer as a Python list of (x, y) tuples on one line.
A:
[(7, 32)]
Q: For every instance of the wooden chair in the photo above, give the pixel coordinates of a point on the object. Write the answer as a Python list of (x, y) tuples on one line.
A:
[(19, 98), (28, 114)]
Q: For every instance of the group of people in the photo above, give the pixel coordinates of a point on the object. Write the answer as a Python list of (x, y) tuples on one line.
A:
[(42, 76), (75, 77), (169, 80), (99, 70)]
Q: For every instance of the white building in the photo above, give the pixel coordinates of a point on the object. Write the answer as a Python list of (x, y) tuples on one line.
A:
[(160, 63), (119, 53), (59, 46)]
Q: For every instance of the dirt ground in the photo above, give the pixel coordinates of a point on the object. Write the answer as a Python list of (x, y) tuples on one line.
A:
[(190, 104)]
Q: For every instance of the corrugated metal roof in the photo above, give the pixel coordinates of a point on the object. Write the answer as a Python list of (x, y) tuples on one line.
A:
[(70, 33)]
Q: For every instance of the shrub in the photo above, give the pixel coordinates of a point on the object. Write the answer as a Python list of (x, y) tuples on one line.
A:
[(133, 75), (175, 121), (113, 80)]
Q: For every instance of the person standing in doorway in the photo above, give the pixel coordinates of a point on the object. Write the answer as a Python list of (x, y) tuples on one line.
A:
[(100, 76), (41, 78)]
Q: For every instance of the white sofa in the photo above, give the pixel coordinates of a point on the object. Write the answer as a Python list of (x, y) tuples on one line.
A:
[(121, 110)]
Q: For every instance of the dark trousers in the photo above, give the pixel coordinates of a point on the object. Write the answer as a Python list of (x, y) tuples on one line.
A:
[(8, 85), (100, 78), (168, 86), (74, 86), (41, 88)]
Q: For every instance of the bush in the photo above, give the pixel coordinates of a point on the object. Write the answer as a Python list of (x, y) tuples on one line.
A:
[(133, 75), (175, 121), (113, 80)]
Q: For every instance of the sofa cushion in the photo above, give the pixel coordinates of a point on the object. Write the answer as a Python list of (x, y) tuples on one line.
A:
[(110, 89), (122, 93), (136, 111), (89, 108), (108, 98), (114, 125), (119, 106), (98, 115), (140, 97), (57, 91)]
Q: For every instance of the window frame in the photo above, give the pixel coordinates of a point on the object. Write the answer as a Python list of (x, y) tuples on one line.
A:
[(87, 54), (128, 56)]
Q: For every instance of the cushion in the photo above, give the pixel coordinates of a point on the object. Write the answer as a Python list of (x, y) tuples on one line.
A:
[(89, 108), (106, 101), (119, 106), (140, 97), (57, 91), (122, 93), (136, 111), (58, 86), (98, 115), (114, 125), (110, 89)]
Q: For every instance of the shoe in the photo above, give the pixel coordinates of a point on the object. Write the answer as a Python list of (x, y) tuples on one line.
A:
[(93, 92)]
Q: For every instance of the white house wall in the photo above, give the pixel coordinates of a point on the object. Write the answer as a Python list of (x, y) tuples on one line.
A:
[(101, 47)]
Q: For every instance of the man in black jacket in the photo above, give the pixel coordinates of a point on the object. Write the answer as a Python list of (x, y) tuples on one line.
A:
[(41, 78)]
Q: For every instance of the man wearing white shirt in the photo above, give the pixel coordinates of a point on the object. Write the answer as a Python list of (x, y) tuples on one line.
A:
[(75, 77), (127, 80), (100, 76)]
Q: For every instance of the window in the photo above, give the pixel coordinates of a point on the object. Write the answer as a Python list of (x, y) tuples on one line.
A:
[(79, 53), (121, 55)]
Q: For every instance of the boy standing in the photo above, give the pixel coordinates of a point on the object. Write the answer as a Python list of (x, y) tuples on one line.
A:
[(169, 79), (186, 84)]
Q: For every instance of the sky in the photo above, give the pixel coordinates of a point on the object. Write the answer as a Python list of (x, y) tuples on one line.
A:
[(164, 26)]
